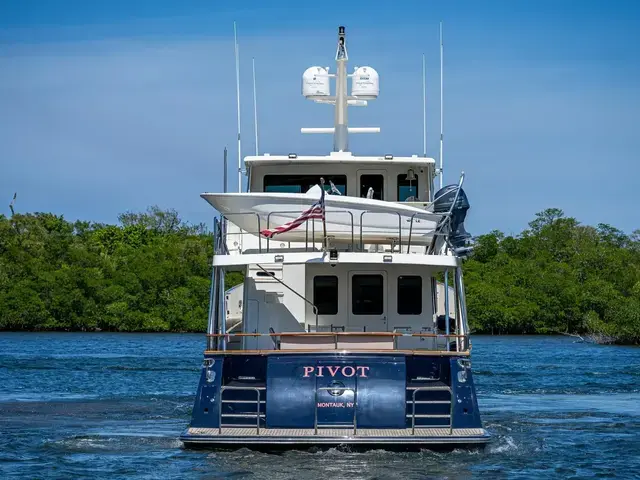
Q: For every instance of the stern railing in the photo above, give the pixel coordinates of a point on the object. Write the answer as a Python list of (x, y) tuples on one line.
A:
[(312, 237), (335, 337)]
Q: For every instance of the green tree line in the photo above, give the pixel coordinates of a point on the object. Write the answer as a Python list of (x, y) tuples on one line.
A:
[(152, 273), (556, 277)]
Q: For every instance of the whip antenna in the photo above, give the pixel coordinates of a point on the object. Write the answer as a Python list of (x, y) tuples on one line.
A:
[(441, 104), (237, 53)]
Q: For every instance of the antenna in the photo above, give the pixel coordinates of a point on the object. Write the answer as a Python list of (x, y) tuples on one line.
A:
[(225, 189), (441, 104), (255, 104), (237, 53), (424, 107)]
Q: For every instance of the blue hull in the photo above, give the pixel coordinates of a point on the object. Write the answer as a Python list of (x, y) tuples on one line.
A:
[(335, 398)]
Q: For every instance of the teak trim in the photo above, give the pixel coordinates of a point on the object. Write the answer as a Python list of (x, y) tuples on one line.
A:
[(464, 353), (334, 334)]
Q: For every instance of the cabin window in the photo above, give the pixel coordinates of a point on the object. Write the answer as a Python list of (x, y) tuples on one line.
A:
[(302, 183), (325, 294), (407, 189), (409, 295), (374, 182), (367, 295)]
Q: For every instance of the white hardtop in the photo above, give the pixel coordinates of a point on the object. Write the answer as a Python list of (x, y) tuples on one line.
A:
[(337, 157)]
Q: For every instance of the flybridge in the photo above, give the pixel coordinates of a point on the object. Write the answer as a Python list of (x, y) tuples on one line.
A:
[(365, 86)]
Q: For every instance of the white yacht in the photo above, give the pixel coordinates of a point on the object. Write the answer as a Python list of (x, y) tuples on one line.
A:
[(351, 324)]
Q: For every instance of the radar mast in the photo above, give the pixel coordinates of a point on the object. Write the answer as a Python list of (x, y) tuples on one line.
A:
[(341, 133), (365, 86)]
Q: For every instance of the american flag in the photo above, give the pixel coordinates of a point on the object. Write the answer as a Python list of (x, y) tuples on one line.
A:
[(315, 211)]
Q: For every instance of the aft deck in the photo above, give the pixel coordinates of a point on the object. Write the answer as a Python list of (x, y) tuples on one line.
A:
[(341, 342)]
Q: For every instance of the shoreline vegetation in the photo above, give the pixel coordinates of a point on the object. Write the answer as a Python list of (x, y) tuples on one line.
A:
[(151, 273)]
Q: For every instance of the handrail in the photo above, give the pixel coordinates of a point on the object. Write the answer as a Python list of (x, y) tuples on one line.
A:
[(259, 228), (297, 351), (313, 233), (411, 219), (332, 334), (335, 337), (460, 182), (306, 243), (413, 413), (399, 227), (222, 389), (355, 406), (260, 239)]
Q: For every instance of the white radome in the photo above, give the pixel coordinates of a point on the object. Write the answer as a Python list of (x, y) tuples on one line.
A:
[(315, 83), (365, 83)]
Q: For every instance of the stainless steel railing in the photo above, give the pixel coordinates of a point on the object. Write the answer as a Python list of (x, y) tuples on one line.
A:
[(415, 391), (355, 406), (433, 389), (221, 401), (312, 237), (335, 337)]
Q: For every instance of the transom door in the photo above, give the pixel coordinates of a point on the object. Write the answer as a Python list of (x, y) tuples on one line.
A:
[(367, 301), (336, 384)]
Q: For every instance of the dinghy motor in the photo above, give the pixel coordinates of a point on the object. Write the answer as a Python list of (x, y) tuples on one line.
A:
[(444, 199)]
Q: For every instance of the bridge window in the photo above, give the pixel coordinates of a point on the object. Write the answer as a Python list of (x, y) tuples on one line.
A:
[(367, 294), (325, 294), (409, 295), (302, 183), (373, 182), (407, 188)]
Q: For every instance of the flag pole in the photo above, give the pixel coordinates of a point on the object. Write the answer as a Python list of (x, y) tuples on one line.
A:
[(324, 222)]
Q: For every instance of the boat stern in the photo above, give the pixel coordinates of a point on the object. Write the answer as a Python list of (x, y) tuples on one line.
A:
[(369, 400)]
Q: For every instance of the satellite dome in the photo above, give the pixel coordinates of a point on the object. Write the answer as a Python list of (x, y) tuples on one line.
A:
[(315, 83), (365, 83)]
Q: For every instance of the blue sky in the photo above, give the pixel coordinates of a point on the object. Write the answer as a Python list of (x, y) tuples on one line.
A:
[(112, 106)]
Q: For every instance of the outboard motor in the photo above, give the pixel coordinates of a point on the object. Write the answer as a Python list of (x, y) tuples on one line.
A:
[(444, 199)]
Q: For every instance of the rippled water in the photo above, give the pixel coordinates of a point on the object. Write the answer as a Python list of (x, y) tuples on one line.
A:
[(113, 405)]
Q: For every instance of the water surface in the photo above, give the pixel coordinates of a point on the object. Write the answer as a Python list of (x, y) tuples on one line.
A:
[(112, 406)]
